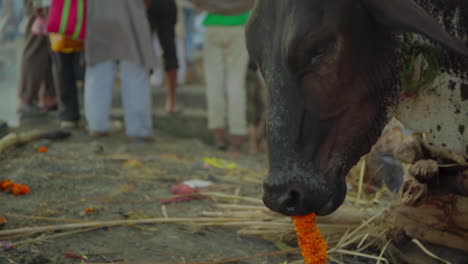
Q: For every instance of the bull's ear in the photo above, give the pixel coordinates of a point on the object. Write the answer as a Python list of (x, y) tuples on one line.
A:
[(407, 16)]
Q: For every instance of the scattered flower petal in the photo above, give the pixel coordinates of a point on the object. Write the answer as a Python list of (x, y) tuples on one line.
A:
[(15, 188), (5, 245), (42, 149), (89, 210)]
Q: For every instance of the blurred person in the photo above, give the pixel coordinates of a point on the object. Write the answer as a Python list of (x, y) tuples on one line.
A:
[(118, 37), (11, 16), (226, 60), (189, 13), (6, 12), (157, 77), (162, 15), (200, 30), (67, 71), (36, 65)]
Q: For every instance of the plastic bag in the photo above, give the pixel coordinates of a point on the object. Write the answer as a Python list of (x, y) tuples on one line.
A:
[(39, 27)]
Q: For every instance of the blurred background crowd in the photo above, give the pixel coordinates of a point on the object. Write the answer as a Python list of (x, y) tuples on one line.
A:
[(139, 46)]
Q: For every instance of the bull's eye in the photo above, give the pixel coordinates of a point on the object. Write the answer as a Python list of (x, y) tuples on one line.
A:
[(320, 52), (316, 59)]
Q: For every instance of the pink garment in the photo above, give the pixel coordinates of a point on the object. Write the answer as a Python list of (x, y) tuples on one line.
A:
[(68, 17)]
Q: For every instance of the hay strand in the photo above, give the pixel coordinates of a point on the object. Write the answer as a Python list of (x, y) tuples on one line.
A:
[(429, 253), (63, 227)]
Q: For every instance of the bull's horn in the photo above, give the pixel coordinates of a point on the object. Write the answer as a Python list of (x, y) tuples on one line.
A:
[(408, 16)]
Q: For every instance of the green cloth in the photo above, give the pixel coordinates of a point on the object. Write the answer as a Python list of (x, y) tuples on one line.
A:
[(221, 20)]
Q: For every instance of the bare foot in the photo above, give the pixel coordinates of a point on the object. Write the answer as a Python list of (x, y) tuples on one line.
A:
[(220, 139), (236, 146), (171, 107), (235, 152), (49, 103)]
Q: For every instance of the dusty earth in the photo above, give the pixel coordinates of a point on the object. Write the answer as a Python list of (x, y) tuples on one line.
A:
[(118, 179)]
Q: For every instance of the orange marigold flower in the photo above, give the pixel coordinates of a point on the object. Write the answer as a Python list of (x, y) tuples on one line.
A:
[(6, 185), (20, 189), (42, 149), (15, 188), (314, 248), (89, 210)]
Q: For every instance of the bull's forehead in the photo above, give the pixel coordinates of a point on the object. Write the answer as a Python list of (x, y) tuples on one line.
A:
[(274, 25), (278, 27)]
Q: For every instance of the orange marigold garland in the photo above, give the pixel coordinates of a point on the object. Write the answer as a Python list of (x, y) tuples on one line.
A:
[(15, 188), (314, 248)]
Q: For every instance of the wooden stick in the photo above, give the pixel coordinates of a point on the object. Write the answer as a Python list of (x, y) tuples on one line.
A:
[(8, 141), (41, 218), (44, 238), (243, 207), (43, 229), (13, 139), (233, 197), (271, 254)]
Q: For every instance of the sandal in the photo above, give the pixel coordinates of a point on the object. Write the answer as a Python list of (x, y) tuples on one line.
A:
[(221, 147), (97, 134), (149, 139)]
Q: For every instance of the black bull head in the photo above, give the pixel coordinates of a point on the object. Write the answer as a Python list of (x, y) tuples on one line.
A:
[(332, 72)]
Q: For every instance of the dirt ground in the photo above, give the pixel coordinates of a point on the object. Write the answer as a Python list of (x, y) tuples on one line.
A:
[(119, 179)]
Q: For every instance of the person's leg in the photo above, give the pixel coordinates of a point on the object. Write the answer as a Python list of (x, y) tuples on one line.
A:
[(136, 98), (182, 60), (157, 78), (236, 68), (31, 72), (99, 83), (49, 98), (166, 33), (215, 83), (66, 77), (189, 25)]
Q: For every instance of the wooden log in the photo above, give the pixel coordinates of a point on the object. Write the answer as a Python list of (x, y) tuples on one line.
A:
[(439, 220), (8, 141), (13, 139)]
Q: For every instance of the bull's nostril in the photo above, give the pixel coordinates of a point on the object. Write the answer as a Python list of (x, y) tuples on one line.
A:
[(291, 200)]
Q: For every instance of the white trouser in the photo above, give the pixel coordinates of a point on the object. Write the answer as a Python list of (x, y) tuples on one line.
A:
[(158, 74), (136, 97), (226, 62)]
